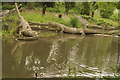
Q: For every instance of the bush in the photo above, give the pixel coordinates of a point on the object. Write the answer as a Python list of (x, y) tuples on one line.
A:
[(59, 7), (51, 10), (101, 21), (7, 6), (74, 11), (74, 22), (105, 13), (115, 16), (106, 9), (89, 18), (107, 22), (30, 5), (83, 8)]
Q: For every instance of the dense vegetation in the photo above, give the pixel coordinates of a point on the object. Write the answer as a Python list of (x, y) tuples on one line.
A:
[(100, 13)]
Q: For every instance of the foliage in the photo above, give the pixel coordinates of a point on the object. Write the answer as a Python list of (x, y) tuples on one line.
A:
[(116, 69), (107, 22), (38, 5), (74, 22), (59, 7), (115, 16), (12, 20), (89, 18), (83, 8), (50, 17), (7, 6), (48, 4), (68, 6), (30, 5), (34, 16), (51, 10), (93, 6), (74, 11), (86, 8), (101, 21), (106, 11)]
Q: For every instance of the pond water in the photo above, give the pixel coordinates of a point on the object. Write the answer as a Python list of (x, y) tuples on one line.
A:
[(60, 56)]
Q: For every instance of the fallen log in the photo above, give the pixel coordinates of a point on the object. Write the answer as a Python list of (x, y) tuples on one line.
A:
[(24, 29), (63, 28), (57, 27), (41, 24), (66, 29), (103, 28), (116, 32)]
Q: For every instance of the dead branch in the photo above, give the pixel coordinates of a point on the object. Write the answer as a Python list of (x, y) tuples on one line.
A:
[(24, 28)]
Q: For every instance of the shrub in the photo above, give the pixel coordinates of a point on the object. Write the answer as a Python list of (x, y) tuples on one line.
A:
[(30, 5), (115, 16), (74, 22), (88, 18), (59, 7), (106, 11), (51, 10), (7, 6)]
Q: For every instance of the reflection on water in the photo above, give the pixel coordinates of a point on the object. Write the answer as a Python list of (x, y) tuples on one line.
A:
[(60, 56)]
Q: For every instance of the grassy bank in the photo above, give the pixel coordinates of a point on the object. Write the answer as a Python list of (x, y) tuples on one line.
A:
[(12, 20)]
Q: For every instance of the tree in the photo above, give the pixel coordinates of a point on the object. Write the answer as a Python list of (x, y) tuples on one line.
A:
[(83, 8), (106, 9), (68, 6), (44, 9), (45, 5), (86, 8), (59, 7), (93, 7), (30, 5)]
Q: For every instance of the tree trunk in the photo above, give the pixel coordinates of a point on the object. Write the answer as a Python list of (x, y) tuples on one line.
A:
[(67, 11), (24, 28), (92, 14), (44, 9), (86, 9), (67, 8), (93, 5), (66, 29)]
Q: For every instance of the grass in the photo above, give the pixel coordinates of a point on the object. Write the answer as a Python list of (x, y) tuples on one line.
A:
[(108, 22), (68, 20), (34, 16), (38, 17), (101, 21), (12, 22)]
